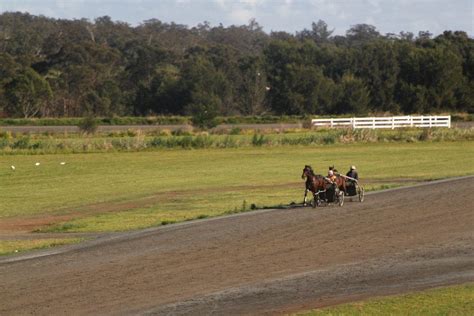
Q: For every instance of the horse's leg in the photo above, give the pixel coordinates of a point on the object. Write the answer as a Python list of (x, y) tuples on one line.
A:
[(304, 200)]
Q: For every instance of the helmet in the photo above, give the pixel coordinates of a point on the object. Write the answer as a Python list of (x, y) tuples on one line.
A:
[(353, 167)]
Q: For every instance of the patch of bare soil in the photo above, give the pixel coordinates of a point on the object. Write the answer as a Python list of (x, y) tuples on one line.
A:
[(271, 261)]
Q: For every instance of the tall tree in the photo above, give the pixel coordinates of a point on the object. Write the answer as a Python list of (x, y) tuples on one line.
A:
[(27, 93), (354, 96), (361, 33), (319, 32), (376, 63)]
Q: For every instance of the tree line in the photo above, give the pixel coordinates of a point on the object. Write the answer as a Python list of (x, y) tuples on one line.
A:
[(67, 68)]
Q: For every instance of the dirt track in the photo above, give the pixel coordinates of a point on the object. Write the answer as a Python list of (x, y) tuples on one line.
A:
[(262, 262)]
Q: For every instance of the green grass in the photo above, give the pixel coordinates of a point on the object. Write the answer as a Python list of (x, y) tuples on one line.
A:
[(142, 189), (454, 300), (15, 246)]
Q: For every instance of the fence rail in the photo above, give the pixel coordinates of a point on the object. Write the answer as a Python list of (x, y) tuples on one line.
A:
[(385, 122)]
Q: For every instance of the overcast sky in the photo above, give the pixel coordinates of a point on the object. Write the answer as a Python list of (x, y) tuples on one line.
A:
[(388, 16)]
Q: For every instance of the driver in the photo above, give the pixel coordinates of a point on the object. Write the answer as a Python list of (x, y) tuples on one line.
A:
[(353, 173), (331, 175)]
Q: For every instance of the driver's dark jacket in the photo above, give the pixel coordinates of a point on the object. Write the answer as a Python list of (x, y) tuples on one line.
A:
[(353, 174)]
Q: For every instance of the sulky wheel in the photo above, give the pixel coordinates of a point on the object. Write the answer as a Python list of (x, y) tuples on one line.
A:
[(340, 198), (316, 201), (360, 192)]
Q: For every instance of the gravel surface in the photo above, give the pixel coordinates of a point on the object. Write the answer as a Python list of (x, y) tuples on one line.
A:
[(271, 261)]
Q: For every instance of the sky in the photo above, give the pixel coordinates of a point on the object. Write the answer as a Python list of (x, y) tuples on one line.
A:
[(388, 16)]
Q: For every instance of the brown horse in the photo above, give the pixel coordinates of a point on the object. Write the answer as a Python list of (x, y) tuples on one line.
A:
[(314, 183), (340, 181)]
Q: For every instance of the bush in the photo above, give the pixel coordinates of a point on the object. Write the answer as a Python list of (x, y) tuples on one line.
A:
[(181, 132), (4, 143), (228, 142), (22, 143), (88, 125), (258, 140), (329, 139), (425, 135), (235, 131), (202, 141), (186, 141)]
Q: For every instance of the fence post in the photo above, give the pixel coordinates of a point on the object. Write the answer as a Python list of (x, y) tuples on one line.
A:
[(373, 122), (353, 123), (331, 123), (449, 121), (393, 122)]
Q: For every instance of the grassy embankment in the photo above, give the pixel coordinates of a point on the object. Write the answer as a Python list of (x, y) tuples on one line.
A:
[(234, 138), (453, 300)]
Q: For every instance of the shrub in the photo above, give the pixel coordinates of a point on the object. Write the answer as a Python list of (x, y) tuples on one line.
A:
[(244, 206), (132, 133), (425, 135), (329, 139), (156, 142), (22, 143), (181, 132), (185, 142), (202, 141), (228, 142), (235, 131), (4, 143), (88, 125), (258, 140)]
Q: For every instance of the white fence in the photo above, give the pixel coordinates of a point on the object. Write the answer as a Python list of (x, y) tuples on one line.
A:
[(385, 122)]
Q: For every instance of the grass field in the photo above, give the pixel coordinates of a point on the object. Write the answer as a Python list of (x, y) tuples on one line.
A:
[(454, 300), (122, 191)]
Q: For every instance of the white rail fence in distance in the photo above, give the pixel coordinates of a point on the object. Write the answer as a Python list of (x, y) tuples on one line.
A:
[(385, 122)]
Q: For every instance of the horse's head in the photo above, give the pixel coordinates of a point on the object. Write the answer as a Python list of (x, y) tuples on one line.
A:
[(307, 172)]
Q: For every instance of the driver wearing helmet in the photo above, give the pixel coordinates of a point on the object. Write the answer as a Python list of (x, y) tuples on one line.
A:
[(353, 173), (331, 175)]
